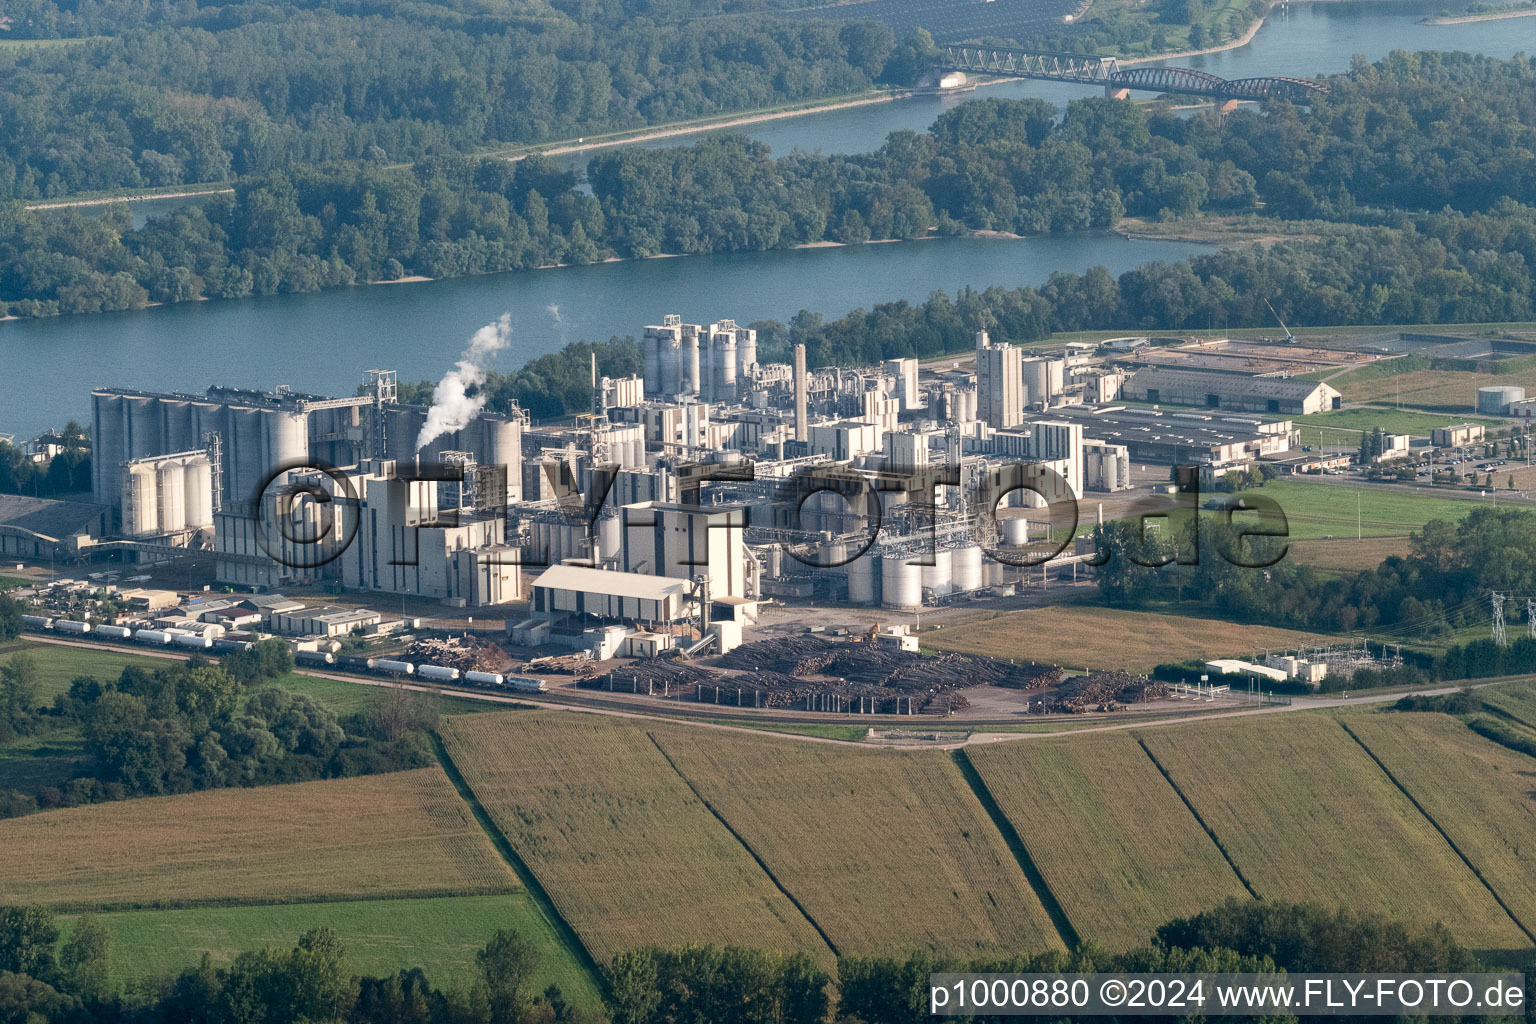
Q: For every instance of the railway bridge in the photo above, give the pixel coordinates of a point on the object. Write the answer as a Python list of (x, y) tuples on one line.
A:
[(1091, 69)]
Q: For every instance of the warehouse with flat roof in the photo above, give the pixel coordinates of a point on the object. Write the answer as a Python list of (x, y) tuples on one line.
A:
[(1289, 396)]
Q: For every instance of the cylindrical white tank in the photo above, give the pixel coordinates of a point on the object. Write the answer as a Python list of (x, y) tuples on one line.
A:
[(197, 482), (1037, 380), (723, 349), (287, 439), (484, 678), (142, 502), (861, 579), (651, 366), (901, 585), (671, 356), (691, 362), (438, 672), (170, 479), (1015, 532), (746, 353), (504, 447), (940, 576), (1496, 399), (610, 536), (967, 569)]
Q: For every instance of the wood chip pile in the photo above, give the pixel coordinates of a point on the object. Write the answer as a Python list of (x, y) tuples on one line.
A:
[(465, 653)]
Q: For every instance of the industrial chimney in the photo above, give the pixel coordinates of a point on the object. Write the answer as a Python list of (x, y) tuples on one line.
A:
[(802, 428)]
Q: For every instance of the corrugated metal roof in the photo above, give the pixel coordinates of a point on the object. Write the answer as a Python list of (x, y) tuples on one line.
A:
[(1229, 383), (606, 581)]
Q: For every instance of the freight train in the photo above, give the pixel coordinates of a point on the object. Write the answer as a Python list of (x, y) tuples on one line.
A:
[(309, 659)]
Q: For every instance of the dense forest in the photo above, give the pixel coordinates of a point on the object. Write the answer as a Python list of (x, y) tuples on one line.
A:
[(50, 976), (1415, 133), (233, 90), (201, 725)]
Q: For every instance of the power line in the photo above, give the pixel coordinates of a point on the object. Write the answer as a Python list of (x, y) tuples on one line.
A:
[(1498, 619)]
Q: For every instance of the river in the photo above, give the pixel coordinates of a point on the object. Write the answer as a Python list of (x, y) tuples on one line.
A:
[(323, 342)]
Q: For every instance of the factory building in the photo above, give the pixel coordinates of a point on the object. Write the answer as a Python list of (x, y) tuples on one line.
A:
[(573, 590), (42, 528), (999, 383), (683, 541), (1456, 435), (1231, 391), (252, 433), (1166, 437)]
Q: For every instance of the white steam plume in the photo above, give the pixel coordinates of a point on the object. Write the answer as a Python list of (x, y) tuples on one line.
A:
[(553, 309), (452, 405)]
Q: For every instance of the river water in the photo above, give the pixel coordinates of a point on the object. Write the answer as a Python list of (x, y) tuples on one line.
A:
[(323, 342)]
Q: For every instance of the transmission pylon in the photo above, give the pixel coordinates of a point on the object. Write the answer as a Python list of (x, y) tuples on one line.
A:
[(1498, 619), (1530, 617)]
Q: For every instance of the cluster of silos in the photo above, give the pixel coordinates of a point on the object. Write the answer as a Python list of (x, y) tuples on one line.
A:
[(1496, 400), (167, 496), (1044, 380), (902, 584), (625, 443), (690, 359), (127, 425), (554, 538), (492, 439)]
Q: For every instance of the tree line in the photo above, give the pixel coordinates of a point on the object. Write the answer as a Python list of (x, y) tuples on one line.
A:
[(1460, 126), (218, 91), (47, 977), (199, 725)]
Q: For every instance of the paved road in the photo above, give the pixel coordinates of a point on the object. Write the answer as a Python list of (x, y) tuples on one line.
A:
[(707, 716)]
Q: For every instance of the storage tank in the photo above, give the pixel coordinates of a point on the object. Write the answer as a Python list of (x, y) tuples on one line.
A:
[(201, 643), (400, 668), (861, 579), (940, 576), (504, 447), (441, 673), (1495, 400), (114, 632), (71, 626), (901, 585), (152, 636), (197, 483), (691, 382), (170, 478), (723, 363), (1015, 532), (484, 678), (746, 353), (832, 554), (287, 439), (610, 534), (36, 622), (967, 569), (527, 684), (650, 371), (671, 356), (141, 505), (144, 434)]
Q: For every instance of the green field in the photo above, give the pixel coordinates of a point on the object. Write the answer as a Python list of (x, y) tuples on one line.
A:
[(381, 937), (1393, 421), (1518, 700), (1307, 816), (57, 665), (1477, 792), (1119, 850), (1315, 510), (888, 852), (627, 853)]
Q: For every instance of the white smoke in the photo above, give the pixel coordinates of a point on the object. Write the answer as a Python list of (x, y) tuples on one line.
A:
[(553, 309), (452, 405)]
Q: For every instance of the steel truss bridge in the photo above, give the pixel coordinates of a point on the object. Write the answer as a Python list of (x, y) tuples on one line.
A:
[(1090, 69)]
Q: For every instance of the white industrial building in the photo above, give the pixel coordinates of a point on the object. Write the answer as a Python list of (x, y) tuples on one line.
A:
[(1231, 391)]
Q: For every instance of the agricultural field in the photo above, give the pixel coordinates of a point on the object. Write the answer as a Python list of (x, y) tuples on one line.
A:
[(627, 853), (1476, 791), (1087, 636), (398, 834), (381, 937), (1518, 700), (888, 852), (1346, 554), (1114, 842), (1307, 816), (59, 665), (1318, 510)]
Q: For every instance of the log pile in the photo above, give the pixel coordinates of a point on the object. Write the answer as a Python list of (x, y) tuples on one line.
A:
[(1102, 691)]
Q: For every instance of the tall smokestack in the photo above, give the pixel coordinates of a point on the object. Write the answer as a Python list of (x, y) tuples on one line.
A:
[(802, 417)]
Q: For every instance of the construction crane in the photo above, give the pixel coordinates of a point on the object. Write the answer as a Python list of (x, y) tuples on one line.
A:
[(1290, 339)]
